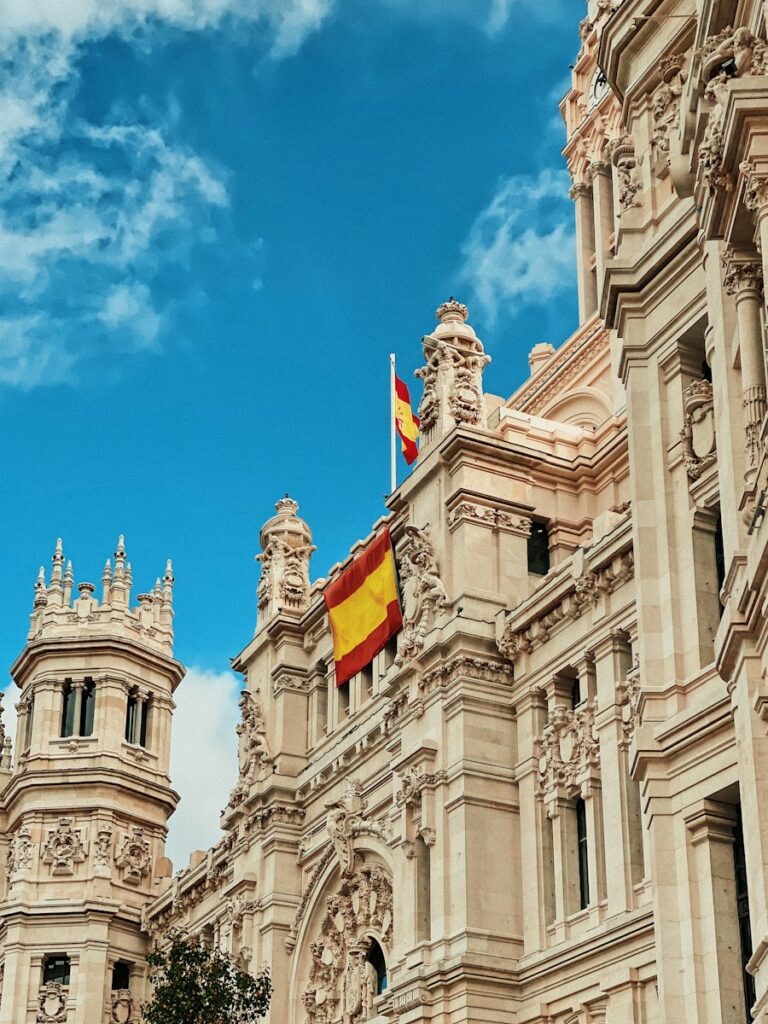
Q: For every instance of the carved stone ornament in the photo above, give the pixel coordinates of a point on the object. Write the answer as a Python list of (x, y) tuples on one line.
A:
[(495, 518), (122, 1008), (569, 748), (453, 374), (628, 691), (346, 821), (342, 983), (254, 756), (666, 100), (286, 549), (424, 596), (52, 1004), (63, 848), (102, 848), (698, 433), (621, 153), (134, 857), (414, 782)]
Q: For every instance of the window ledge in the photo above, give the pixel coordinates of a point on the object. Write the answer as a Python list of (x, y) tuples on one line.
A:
[(71, 744), (137, 752)]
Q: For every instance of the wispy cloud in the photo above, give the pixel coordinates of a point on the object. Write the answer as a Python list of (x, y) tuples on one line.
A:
[(203, 758), (89, 213), (520, 249)]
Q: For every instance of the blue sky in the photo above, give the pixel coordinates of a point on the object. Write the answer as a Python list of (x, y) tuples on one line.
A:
[(217, 218)]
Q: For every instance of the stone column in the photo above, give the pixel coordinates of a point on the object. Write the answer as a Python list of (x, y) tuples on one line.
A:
[(720, 994), (78, 687), (141, 700), (744, 280), (560, 811), (602, 198), (536, 852), (581, 193)]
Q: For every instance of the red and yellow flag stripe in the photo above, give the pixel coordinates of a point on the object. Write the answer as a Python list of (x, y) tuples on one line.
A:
[(406, 423), (364, 607)]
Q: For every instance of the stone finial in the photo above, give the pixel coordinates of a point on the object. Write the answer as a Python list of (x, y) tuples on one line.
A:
[(452, 311), (106, 582), (540, 354), (41, 593), (287, 546)]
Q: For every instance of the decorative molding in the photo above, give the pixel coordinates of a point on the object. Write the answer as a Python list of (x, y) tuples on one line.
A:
[(484, 515), (346, 821), (414, 781), (481, 669)]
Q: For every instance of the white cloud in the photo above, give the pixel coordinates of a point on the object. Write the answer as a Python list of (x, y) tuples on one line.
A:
[(520, 249), (203, 758), (90, 212)]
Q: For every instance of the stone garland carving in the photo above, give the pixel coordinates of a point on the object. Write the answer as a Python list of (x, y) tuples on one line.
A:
[(253, 747), (52, 1004), (666, 100), (474, 668), (628, 692), (63, 848), (424, 595), (586, 591), (346, 820), (135, 857), (698, 433), (122, 1010), (236, 907), (750, 57), (569, 747), (414, 781), (342, 984), (621, 153), (496, 518)]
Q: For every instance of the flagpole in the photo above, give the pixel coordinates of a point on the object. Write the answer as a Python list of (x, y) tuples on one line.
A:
[(392, 431)]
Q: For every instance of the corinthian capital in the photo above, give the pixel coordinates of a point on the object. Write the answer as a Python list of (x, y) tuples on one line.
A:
[(756, 190), (741, 274), (580, 190)]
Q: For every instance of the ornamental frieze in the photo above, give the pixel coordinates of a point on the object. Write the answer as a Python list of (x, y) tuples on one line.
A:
[(465, 666), (495, 518)]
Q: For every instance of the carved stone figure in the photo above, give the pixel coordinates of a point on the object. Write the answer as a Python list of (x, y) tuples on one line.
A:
[(621, 152), (342, 983), (122, 1009), (453, 374), (424, 595), (102, 850), (52, 1003), (63, 848), (134, 857), (286, 549), (346, 820), (253, 747), (666, 100)]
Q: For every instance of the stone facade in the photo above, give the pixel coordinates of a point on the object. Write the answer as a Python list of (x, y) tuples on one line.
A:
[(544, 803)]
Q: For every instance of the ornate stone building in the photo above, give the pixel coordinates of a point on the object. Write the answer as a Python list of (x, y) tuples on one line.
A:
[(545, 803)]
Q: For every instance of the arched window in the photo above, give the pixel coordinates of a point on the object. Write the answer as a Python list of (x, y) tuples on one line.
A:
[(376, 959), (121, 975), (56, 969)]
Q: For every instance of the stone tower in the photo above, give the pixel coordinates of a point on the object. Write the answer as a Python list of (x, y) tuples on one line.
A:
[(84, 812)]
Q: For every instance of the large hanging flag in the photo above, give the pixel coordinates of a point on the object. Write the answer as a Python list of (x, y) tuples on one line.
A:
[(406, 423), (364, 607)]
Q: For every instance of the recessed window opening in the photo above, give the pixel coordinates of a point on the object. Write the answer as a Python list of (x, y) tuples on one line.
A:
[(538, 549), (575, 693), (68, 709), (742, 910), (121, 975), (376, 959), (56, 969), (581, 840)]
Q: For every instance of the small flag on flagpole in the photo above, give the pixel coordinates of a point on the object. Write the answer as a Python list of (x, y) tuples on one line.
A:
[(406, 423), (364, 607)]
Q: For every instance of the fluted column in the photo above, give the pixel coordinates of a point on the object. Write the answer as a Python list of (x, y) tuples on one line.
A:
[(602, 200), (743, 279), (581, 193)]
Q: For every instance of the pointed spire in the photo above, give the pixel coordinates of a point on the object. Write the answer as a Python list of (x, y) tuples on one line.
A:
[(56, 590), (69, 582), (157, 599), (128, 582), (118, 580), (106, 582), (41, 594), (168, 582)]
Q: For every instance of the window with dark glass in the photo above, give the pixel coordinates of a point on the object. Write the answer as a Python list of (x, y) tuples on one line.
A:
[(68, 709), (376, 959), (719, 559), (136, 720), (581, 840), (742, 910), (538, 549), (575, 693), (28, 723), (56, 970), (121, 975), (87, 705)]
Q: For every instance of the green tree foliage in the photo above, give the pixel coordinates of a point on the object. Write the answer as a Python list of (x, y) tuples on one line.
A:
[(196, 985)]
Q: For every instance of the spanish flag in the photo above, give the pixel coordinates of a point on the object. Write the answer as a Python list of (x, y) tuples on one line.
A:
[(364, 607), (407, 424)]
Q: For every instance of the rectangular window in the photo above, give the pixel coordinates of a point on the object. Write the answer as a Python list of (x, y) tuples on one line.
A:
[(130, 718), (742, 910), (87, 708), (56, 970), (538, 549), (68, 709), (581, 839), (366, 681), (143, 723)]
